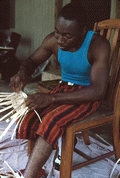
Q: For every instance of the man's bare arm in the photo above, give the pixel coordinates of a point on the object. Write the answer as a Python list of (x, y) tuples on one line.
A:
[(95, 91), (18, 81)]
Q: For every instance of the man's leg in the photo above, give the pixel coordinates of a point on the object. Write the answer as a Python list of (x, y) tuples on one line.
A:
[(39, 156)]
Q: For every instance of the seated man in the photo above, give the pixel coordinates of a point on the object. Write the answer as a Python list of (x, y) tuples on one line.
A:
[(84, 58)]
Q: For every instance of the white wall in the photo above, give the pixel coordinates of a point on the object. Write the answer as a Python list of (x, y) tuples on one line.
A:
[(34, 19)]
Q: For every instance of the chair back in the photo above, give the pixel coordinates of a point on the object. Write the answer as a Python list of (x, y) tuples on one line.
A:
[(15, 39), (9, 62), (110, 29)]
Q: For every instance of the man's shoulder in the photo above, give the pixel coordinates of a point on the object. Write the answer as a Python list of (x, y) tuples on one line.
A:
[(50, 41), (99, 41), (99, 48)]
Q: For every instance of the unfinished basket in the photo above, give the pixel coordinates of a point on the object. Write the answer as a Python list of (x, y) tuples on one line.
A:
[(12, 109)]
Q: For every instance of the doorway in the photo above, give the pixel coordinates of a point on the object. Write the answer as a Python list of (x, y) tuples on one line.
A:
[(97, 10)]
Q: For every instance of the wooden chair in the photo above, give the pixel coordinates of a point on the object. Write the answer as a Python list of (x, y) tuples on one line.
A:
[(9, 64), (104, 115), (108, 112)]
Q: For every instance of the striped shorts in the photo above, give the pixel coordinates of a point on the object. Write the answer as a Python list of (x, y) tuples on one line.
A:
[(55, 118)]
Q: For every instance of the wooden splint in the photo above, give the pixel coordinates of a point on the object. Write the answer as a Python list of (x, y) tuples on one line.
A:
[(12, 173), (13, 108)]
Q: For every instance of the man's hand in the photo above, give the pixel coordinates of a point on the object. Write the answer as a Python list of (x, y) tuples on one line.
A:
[(18, 81), (38, 100)]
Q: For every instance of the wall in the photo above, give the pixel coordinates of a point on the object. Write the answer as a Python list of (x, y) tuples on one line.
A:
[(33, 20), (66, 2), (115, 9), (118, 9)]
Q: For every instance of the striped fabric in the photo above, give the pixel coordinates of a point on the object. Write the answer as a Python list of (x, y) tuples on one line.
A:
[(55, 118)]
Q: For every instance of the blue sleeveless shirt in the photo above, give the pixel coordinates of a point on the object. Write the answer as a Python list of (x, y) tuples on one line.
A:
[(75, 67)]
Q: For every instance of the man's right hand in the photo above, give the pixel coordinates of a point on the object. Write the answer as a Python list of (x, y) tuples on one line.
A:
[(18, 81)]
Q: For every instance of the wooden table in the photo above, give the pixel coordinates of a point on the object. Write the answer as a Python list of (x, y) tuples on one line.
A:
[(47, 86)]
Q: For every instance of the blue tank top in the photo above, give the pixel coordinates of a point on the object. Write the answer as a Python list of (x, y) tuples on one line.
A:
[(75, 67)]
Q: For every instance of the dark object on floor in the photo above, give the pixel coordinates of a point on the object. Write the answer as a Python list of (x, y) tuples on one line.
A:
[(57, 162), (58, 158)]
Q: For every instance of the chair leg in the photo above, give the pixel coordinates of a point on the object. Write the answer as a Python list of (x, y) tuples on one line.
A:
[(86, 137), (67, 154), (116, 137)]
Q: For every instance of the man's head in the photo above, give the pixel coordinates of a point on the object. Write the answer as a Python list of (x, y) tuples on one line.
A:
[(70, 27), (74, 11)]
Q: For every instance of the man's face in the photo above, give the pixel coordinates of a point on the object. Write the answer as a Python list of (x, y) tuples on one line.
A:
[(67, 34)]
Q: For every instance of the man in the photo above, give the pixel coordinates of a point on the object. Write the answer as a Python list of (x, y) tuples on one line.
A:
[(84, 57)]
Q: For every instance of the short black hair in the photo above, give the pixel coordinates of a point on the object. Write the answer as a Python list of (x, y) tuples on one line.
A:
[(74, 11)]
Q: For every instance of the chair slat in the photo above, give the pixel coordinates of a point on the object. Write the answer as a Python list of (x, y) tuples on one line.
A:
[(101, 32), (114, 42), (111, 25), (95, 27), (113, 79), (108, 34)]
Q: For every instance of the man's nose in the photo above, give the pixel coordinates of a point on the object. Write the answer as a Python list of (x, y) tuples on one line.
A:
[(61, 39)]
